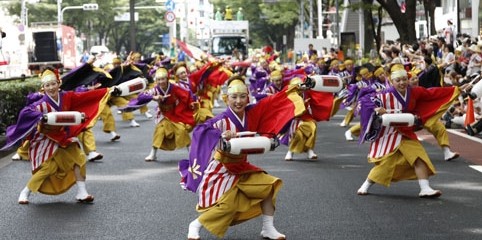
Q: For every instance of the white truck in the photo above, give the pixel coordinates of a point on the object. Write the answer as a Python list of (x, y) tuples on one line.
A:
[(51, 45), (226, 36)]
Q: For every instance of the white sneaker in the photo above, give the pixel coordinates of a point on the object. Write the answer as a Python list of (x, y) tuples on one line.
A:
[(16, 157), (134, 123), (289, 156), (430, 193), (148, 115), (348, 135), (94, 156), (311, 154)]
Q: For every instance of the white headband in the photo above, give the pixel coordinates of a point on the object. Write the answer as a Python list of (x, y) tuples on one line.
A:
[(48, 78), (398, 74)]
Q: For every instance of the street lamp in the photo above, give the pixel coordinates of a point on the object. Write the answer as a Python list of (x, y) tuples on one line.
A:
[(84, 7)]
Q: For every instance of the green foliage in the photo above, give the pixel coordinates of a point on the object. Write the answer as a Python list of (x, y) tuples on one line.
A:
[(282, 14), (13, 99)]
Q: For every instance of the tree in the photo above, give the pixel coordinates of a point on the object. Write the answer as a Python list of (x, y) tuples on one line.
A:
[(404, 21)]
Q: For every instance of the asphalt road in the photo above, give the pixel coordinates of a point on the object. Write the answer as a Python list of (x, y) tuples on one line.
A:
[(135, 199)]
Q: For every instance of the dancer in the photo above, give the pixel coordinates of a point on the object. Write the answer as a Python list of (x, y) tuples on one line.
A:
[(248, 191), (396, 151), (175, 115), (57, 160)]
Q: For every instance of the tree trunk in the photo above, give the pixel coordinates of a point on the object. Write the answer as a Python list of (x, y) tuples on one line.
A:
[(404, 22), (429, 7), (378, 37), (370, 28)]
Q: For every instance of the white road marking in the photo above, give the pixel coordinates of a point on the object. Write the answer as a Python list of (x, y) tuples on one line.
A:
[(465, 135), (476, 167)]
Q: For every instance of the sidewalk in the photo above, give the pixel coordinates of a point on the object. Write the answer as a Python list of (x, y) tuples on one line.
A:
[(467, 146), (5, 156)]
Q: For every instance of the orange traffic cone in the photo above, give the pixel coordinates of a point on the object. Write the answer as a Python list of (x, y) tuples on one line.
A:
[(469, 113)]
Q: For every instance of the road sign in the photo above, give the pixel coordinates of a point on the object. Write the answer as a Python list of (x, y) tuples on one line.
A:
[(170, 16), (170, 5)]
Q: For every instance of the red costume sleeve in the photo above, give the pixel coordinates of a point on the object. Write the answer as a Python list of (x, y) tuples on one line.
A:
[(272, 113), (321, 104)]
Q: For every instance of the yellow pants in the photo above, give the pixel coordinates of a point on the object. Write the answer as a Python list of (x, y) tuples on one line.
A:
[(438, 130), (107, 119), (87, 139), (349, 116), (304, 137), (399, 165), (56, 175), (241, 203), (355, 129), (22, 151), (121, 102), (170, 136)]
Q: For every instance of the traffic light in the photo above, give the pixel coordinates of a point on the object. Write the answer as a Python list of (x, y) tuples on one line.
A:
[(90, 7)]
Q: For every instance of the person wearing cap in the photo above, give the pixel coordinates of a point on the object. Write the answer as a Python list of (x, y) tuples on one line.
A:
[(475, 60), (248, 191), (396, 151), (57, 161)]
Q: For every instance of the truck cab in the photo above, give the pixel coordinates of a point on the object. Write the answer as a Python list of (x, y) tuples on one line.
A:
[(229, 37)]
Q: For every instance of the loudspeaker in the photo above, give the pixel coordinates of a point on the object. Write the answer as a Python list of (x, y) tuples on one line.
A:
[(45, 47)]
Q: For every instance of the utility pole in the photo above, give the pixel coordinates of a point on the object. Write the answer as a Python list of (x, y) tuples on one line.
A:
[(310, 35), (302, 19), (132, 26), (320, 19)]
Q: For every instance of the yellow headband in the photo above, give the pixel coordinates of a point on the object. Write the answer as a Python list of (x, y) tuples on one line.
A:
[(48, 76), (378, 72), (275, 75), (237, 86)]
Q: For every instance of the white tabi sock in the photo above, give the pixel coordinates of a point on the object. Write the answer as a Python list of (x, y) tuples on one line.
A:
[(365, 186), (424, 185), (24, 194), (113, 134), (268, 230), (81, 190), (194, 228)]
